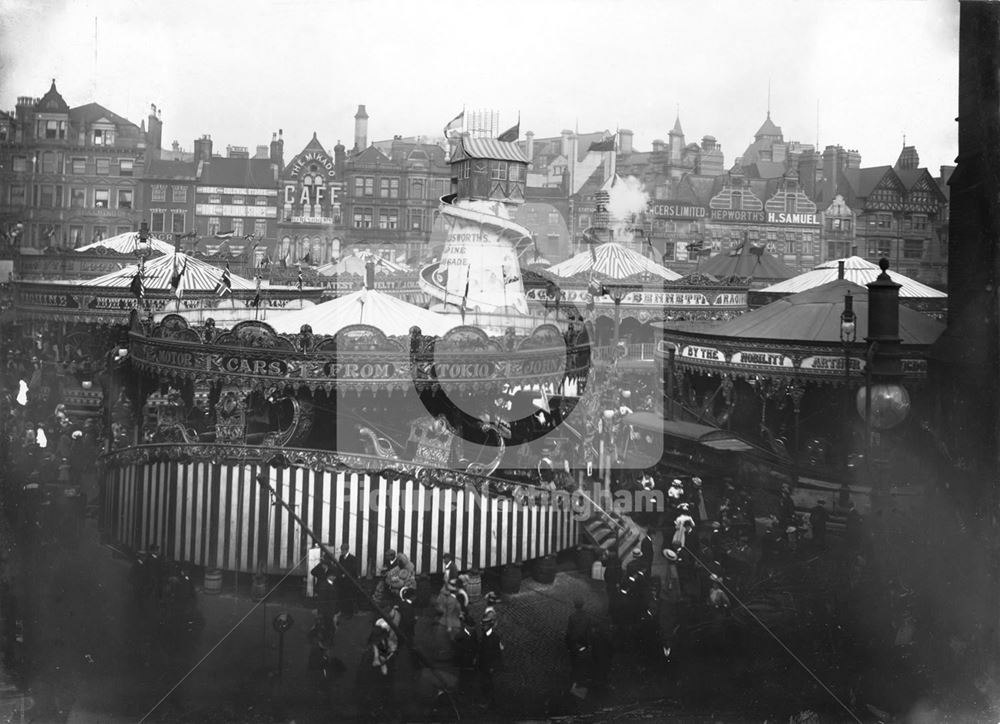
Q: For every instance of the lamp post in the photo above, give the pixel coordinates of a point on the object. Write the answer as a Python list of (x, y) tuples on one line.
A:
[(883, 402), (848, 335)]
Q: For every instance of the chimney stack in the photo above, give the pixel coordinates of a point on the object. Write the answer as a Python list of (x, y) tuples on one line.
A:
[(361, 129), (277, 150), (154, 134), (203, 148), (530, 151), (625, 139), (565, 149)]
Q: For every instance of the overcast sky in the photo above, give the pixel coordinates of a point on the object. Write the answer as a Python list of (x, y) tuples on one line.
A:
[(241, 69)]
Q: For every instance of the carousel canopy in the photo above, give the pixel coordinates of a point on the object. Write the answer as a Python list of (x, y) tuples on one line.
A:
[(814, 316), (611, 261), (857, 270), (197, 276), (392, 316), (128, 243), (744, 263)]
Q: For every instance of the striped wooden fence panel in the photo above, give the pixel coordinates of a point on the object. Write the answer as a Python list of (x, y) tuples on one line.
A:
[(218, 515)]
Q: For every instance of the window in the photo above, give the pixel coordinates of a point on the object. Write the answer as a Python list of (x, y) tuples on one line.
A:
[(49, 162), (213, 225), (668, 251), (17, 196), (388, 188), (498, 170), (79, 166), (260, 227), (159, 192), (554, 217), (125, 166), (104, 166), (124, 198), (388, 218), (156, 221), (55, 129), (100, 232), (48, 198), (237, 226), (416, 219), (884, 221), (215, 199), (237, 200), (20, 164), (179, 194), (104, 137), (78, 198), (261, 201), (364, 186), (102, 198), (4, 132), (919, 222), (177, 222), (416, 188), (363, 217), (913, 249), (515, 172), (75, 236)]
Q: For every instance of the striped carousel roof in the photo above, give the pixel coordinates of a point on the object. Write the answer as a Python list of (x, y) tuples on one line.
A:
[(857, 270), (128, 243), (356, 265), (198, 275), (391, 315), (611, 261)]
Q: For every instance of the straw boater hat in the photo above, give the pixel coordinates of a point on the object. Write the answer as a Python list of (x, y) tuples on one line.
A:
[(637, 551), (697, 482), (670, 554), (489, 614)]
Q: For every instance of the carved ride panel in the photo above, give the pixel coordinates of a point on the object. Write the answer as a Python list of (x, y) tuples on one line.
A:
[(230, 415)]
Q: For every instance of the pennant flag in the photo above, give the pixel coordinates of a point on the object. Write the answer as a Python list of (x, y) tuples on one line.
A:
[(511, 134), (137, 286), (454, 123), (225, 285), (607, 144), (225, 234), (175, 279)]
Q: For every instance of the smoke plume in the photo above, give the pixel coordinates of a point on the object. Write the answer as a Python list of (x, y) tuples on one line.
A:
[(626, 201)]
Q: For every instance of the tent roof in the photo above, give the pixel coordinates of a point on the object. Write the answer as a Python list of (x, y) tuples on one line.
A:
[(127, 243), (858, 270), (391, 315), (814, 316), (611, 261), (356, 265), (198, 276), (745, 264)]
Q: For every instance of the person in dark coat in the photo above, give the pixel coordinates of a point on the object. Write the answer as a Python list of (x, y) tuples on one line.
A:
[(612, 573), (602, 651), (786, 509), (343, 575), (450, 567), (578, 640), (325, 590), (490, 658), (818, 518)]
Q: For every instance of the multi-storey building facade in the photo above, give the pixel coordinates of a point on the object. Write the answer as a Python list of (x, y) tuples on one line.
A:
[(310, 220), (168, 190), (69, 176), (236, 194), (389, 197)]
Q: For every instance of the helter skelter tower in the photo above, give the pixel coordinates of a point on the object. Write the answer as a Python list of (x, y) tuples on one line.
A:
[(479, 274)]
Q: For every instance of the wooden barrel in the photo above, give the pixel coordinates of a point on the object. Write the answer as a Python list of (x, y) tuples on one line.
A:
[(545, 569), (510, 578), (474, 585), (213, 581)]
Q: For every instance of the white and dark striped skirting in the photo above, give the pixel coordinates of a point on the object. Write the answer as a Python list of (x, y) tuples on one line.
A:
[(217, 515)]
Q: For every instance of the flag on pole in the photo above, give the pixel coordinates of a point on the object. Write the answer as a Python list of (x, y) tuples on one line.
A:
[(225, 285), (512, 133), (606, 144), (225, 234), (178, 273), (454, 123), (465, 296)]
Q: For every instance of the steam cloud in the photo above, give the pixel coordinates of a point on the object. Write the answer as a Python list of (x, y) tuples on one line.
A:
[(626, 200)]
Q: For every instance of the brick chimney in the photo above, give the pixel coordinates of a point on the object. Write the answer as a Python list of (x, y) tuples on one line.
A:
[(361, 129)]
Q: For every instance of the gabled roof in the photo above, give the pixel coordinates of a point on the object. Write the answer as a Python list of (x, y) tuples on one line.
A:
[(372, 154), (862, 181), (767, 128), (239, 172), (314, 145), (491, 148), (90, 112)]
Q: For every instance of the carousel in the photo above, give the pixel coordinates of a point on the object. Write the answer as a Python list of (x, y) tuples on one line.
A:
[(860, 271), (386, 425), (93, 260), (787, 376)]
